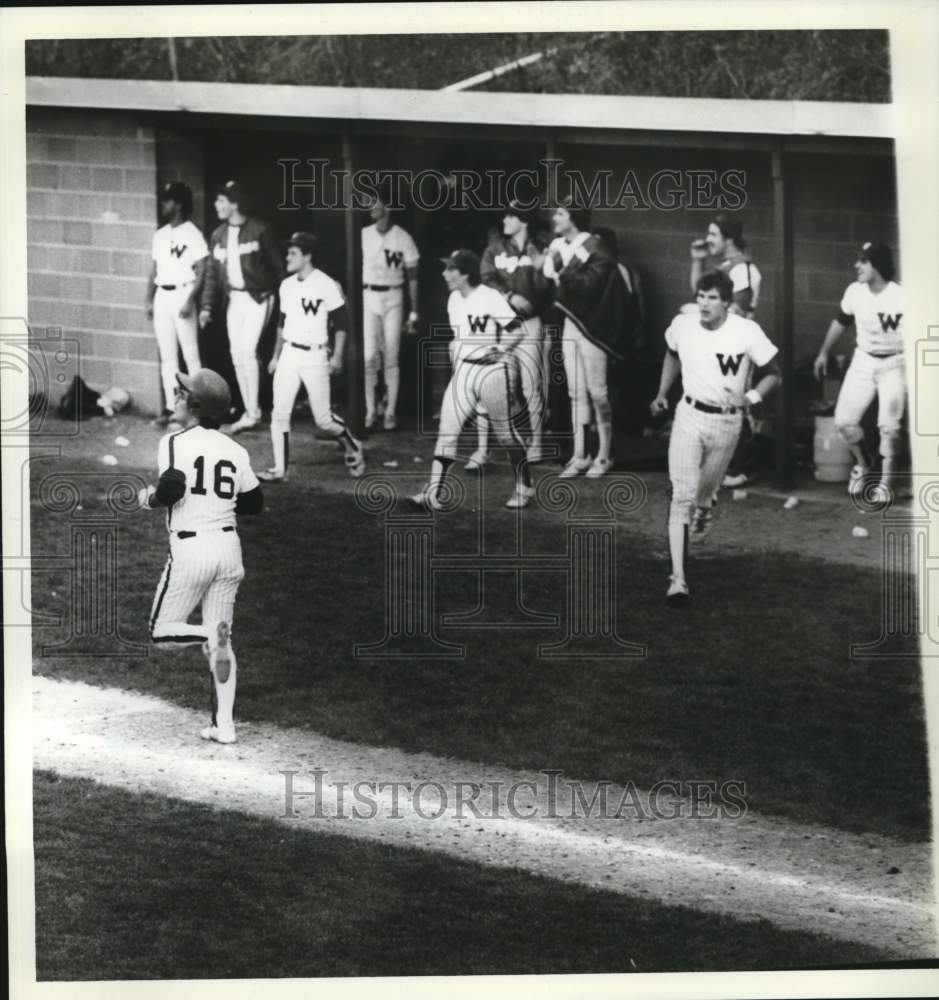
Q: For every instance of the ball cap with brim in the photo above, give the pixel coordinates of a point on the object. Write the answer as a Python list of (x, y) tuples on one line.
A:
[(232, 191), (464, 261), (176, 191), (880, 255), (209, 395), (519, 209), (304, 242)]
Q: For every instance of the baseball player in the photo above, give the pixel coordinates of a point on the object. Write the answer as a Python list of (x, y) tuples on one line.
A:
[(875, 303), (714, 350), (309, 301), (591, 295), (486, 335), (205, 481), (725, 245), (176, 275), (389, 261), (513, 265), (246, 268)]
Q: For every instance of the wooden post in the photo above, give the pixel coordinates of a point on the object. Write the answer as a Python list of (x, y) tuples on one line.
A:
[(785, 318), (356, 376)]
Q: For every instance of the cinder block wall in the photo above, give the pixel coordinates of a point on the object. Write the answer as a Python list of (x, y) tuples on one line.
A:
[(91, 214)]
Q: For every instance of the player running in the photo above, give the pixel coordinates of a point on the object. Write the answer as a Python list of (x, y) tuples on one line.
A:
[(246, 267), (486, 335), (176, 276), (875, 303), (310, 301), (389, 261), (714, 351), (205, 481)]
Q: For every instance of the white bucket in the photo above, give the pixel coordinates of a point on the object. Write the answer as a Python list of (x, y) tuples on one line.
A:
[(833, 458)]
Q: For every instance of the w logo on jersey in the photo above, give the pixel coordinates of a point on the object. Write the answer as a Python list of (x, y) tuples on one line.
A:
[(477, 324), (311, 306), (394, 258), (729, 364), (889, 323), (176, 250)]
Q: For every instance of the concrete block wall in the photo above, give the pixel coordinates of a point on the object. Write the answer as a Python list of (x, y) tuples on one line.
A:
[(91, 215)]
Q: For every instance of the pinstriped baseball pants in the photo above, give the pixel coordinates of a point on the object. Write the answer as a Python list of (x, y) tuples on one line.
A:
[(699, 451), (206, 570)]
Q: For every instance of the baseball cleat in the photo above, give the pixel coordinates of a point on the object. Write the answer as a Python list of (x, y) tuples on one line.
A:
[(246, 423), (599, 467), (575, 467), (391, 422), (730, 482), (219, 734), (678, 593), (521, 497), (425, 500), (355, 462), (856, 480), (273, 476), (476, 461), (701, 523)]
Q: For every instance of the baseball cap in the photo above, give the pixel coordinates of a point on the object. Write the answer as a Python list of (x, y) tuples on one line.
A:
[(176, 191), (880, 255), (209, 395), (232, 191), (464, 261), (304, 242)]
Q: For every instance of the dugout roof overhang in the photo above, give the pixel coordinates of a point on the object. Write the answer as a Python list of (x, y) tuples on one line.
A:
[(816, 126)]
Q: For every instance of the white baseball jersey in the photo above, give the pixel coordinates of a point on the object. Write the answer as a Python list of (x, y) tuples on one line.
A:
[(385, 256), (176, 250), (878, 318), (217, 469), (715, 364), (477, 320), (306, 304)]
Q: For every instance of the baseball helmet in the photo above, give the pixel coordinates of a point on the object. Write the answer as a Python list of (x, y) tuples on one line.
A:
[(464, 261), (306, 243), (233, 192), (880, 255), (178, 192), (209, 395)]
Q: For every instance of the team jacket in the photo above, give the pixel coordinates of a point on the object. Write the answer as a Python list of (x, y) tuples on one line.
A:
[(510, 271), (262, 263), (591, 293)]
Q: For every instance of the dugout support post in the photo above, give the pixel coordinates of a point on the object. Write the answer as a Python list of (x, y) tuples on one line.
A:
[(784, 314), (356, 352)]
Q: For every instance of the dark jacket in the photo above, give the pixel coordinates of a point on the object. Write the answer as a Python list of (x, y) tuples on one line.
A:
[(511, 271), (592, 294), (262, 265)]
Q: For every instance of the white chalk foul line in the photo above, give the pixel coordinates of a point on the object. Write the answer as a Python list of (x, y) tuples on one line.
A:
[(140, 743)]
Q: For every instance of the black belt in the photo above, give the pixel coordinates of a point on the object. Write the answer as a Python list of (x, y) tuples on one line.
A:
[(192, 534), (708, 408), (889, 354), (380, 288), (172, 288), (306, 347)]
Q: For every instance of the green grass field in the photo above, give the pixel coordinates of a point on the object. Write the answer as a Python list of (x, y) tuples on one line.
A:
[(141, 887), (753, 683)]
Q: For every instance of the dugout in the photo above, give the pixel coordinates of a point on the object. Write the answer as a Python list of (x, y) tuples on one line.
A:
[(810, 180)]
